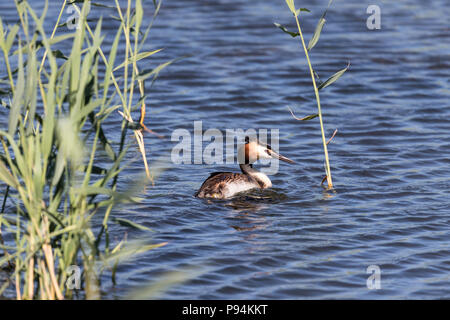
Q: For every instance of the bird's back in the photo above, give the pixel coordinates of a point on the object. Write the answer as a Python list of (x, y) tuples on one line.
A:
[(223, 185)]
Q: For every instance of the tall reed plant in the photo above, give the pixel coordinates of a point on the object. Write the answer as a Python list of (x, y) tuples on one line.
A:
[(57, 102), (307, 48)]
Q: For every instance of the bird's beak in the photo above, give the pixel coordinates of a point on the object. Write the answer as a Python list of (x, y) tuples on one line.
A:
[(280, 157)]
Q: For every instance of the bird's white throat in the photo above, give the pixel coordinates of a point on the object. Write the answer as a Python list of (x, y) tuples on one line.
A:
[(262, 178)]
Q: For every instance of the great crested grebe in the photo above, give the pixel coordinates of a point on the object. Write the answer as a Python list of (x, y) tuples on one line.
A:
[(222, 185)]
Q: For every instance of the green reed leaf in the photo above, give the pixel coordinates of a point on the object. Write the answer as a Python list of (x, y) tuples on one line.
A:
[(333, 78), (11, 36), (317, 33), (291, 6), (139, 14), (284, 29), (6, 176), (91, 106), (138, 57), (312, 116), (155, 72), (129, 223), (17, 102), (319, 28), (156, 289), (130, 249), (2, 35), (101, 5), (300, 10)]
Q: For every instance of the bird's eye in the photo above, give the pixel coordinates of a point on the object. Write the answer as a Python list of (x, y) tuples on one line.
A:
[(269, 147), (268, 151)]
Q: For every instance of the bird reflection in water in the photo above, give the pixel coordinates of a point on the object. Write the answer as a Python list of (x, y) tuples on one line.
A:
[(246, 208)]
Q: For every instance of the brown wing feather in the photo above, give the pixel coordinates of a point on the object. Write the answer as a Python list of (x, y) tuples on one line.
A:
[(213, 187)]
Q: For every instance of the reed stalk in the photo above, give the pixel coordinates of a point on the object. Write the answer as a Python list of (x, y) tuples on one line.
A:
[(313, 73), (319, 110)]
